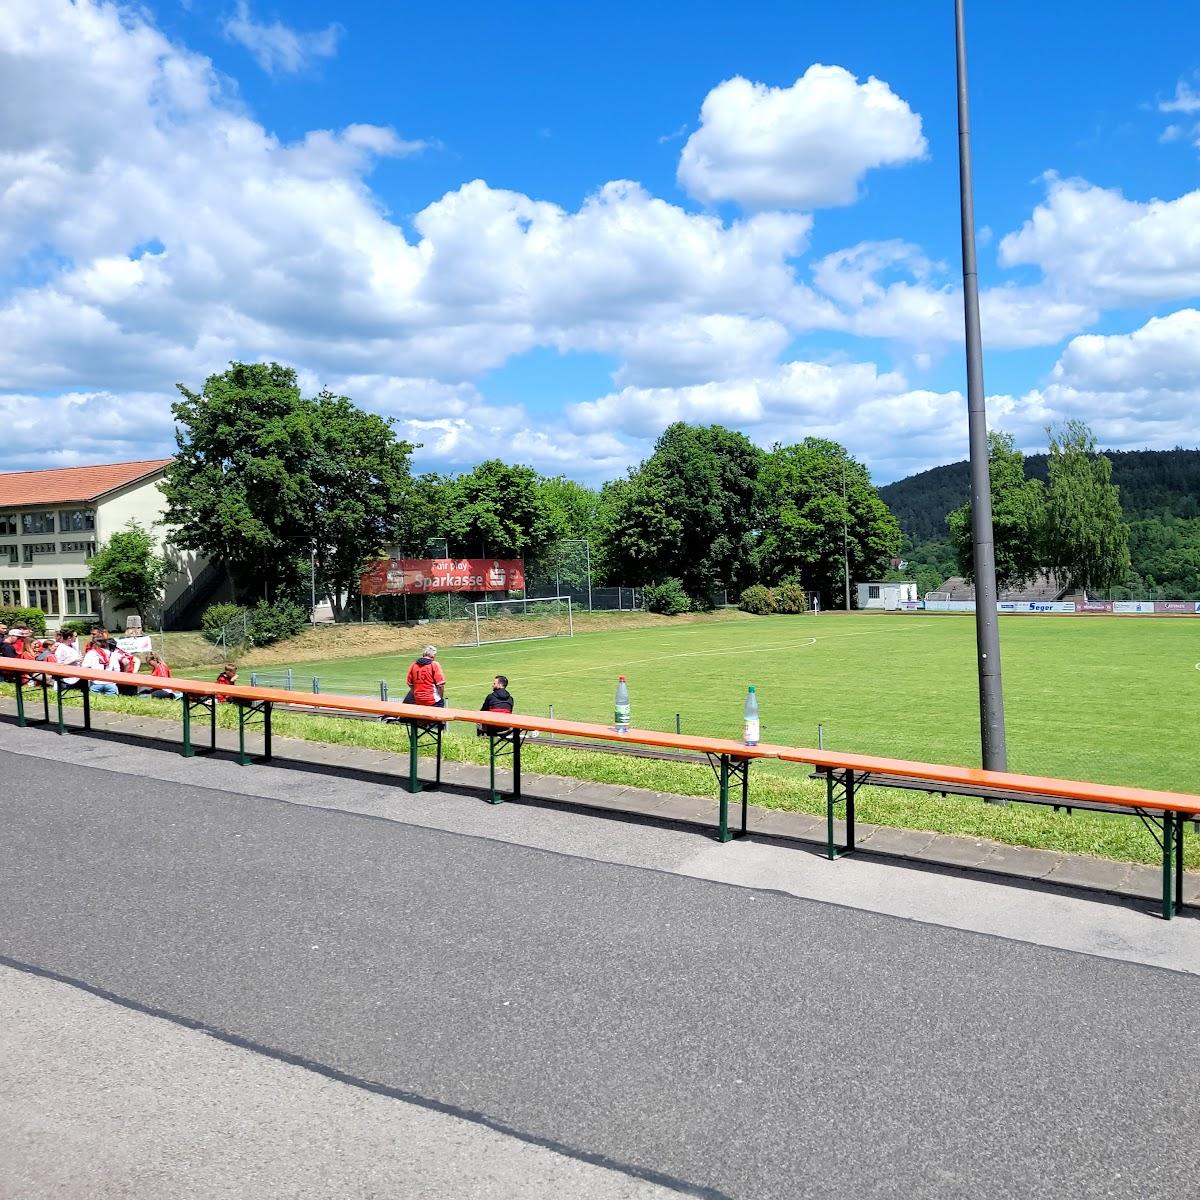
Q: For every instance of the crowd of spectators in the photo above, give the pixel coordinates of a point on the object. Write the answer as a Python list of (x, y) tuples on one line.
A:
[(101, 653)]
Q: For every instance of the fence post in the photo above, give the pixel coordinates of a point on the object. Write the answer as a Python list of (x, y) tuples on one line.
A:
[(290, 680), (383, 689), (253, 679), (678, 724), (316, 686)]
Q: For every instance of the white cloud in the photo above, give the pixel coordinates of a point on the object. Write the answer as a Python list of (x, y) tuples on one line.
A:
[(1096, 246), (1136, 390), (1187, 100), (806, 146), (892, 290), (278, 49)]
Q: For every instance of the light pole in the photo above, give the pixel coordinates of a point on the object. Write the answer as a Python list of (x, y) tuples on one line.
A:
[(845, 536), (987, 633)]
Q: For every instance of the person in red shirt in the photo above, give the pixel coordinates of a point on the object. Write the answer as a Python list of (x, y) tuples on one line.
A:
[(227, 675), (426, 681), (160, 670)]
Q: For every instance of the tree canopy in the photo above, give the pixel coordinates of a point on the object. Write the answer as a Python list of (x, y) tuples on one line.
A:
[(684, 513), (1018, 518), (129, 570), (1087, 540), (267, 481)]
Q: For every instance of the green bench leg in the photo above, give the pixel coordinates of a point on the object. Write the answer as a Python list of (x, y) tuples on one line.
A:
[(87, 706), (723, 834), (494, 796), (266, 712), (62, 724), (414, 782), (832, 850), (20, 702), (46, 698), (188, 752), (243, 757), (516, 741)]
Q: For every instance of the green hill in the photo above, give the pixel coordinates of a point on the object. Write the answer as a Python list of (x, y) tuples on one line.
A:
[(1152, 482), (1160, 496)]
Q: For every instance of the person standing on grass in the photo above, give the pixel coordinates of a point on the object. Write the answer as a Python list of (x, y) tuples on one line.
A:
[(426, 681)]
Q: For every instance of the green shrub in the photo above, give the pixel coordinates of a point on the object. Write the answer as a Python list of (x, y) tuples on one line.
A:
[(33, 617), (758, 600), (225, 623), (667, 597), (273, 621), (791, 598)]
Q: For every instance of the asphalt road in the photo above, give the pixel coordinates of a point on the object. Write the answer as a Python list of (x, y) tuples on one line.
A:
[(711, 1038)]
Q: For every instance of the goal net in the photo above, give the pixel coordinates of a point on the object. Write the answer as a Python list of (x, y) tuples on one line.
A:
[(522, 620)]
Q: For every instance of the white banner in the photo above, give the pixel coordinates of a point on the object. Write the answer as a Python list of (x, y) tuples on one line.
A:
[(136, 645), (1133, 606)]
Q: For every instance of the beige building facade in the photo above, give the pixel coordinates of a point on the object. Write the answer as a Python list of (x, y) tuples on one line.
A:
[(51, 523)]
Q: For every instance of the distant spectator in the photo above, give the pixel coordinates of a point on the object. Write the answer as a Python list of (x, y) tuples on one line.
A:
[(499, 699), (123, 661), (160, 670), (228, 675), (426, 681), (98, 658), (8, 647), (66, 654)]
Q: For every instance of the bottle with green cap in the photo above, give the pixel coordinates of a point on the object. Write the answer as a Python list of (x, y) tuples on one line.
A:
[(750, 718)]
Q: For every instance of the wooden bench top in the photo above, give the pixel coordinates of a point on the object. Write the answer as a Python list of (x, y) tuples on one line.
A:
[(1066, 789)]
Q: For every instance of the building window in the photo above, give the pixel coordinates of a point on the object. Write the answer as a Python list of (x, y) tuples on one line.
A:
[(82, 600), (8, 524), (43, 594), (10, 554), (10, 593), (87, 549), (32, 548), (76, 520), (32, 523), (872, 591)]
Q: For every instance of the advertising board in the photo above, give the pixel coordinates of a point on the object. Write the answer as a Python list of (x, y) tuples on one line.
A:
[(418, 576)]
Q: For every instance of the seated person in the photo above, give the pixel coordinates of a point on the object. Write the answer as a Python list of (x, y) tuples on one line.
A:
[(228, 675), (160, 670), (66, 654), (499, 699), (98, 658), (426, 681), (124, 662)]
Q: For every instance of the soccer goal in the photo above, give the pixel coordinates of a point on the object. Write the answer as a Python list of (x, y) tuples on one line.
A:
[(522, 620)]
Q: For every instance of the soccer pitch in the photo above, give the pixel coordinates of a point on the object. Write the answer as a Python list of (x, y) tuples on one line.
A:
[(1102, 698)]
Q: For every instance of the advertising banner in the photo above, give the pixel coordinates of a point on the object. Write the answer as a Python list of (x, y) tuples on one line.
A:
[(1036, 606), (1133, 606), (1094, 606), (418, 576), (1175, 606)]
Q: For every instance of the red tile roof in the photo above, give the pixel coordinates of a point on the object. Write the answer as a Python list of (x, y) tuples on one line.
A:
[(72, 485)]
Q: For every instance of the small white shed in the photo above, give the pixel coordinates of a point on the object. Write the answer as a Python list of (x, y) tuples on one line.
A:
[(886, 595)]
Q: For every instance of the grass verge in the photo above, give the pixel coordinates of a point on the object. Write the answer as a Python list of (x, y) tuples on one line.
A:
[(782, 787)]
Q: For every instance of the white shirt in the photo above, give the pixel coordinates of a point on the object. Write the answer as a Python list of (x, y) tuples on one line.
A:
[(67, 654), (93, 661)]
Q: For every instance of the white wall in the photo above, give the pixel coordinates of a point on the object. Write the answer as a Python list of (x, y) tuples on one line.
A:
[(890, 595)]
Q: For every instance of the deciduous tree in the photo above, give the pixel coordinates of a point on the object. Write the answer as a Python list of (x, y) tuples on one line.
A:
[(130, 571), (1018, 518)]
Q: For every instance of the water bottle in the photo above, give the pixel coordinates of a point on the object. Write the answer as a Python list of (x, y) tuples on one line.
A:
[(750, 718), (621, 707)]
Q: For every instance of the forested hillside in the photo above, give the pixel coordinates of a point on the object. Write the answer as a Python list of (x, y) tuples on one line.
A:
[(1160, 498), (1152, 483)]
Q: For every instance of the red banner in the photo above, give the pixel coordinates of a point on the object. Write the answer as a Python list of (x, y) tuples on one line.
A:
[(1093, 606), (416, 576)]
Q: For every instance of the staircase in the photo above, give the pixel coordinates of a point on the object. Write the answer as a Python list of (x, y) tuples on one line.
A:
[(185, 612)]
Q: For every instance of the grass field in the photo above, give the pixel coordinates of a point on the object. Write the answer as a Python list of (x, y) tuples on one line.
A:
[(1108, 699)]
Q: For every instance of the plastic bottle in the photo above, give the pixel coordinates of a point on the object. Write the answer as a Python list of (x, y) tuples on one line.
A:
[(750, 718), (621, 707)]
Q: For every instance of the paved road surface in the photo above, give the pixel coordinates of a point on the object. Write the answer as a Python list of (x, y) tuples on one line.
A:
[(656, 1028)]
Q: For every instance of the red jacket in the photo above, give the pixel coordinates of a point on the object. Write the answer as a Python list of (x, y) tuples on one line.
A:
[(426, 681)]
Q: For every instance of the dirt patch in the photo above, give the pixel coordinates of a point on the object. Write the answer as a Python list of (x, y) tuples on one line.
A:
[(358, 641)]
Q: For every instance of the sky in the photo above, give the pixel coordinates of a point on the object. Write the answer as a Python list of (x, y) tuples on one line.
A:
[(545, 231)]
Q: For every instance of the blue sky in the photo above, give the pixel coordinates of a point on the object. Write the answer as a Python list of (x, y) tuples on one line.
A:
[(422, 206)]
